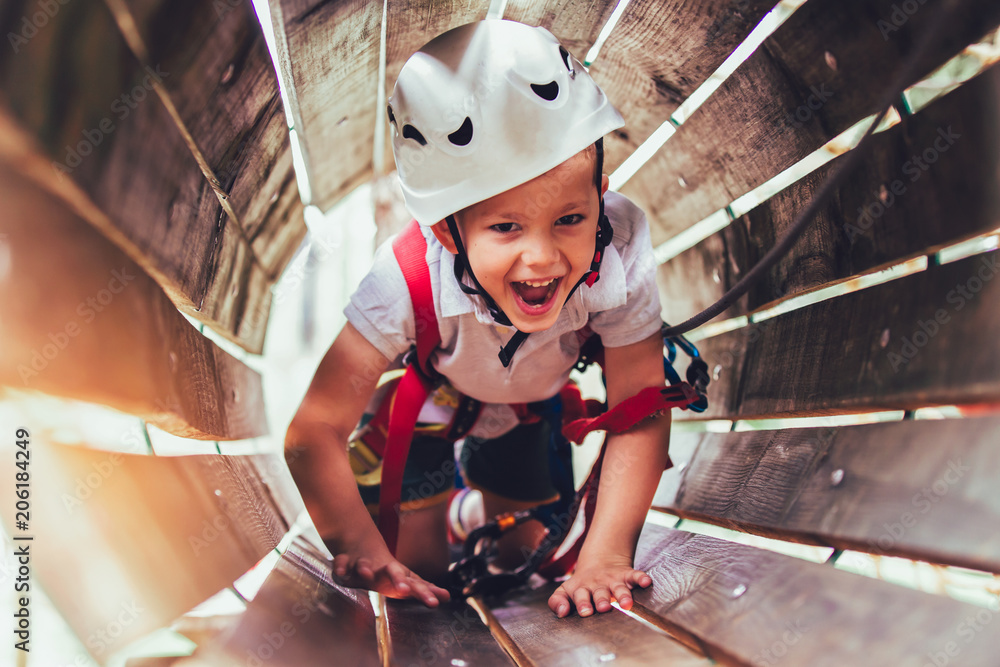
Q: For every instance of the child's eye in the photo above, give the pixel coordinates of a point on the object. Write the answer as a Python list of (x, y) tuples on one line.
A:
[(570, 219), (503, 227)]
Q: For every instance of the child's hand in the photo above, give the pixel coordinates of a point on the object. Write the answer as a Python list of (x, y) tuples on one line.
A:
[(594, 583), (371, 566)]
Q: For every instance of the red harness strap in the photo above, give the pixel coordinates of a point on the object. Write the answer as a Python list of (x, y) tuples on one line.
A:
[(410, 248)]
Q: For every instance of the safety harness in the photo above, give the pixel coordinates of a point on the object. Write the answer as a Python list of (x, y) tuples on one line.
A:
[(397, 417)]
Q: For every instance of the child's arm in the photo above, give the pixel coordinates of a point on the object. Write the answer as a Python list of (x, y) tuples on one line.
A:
[(633, 464), (315, 449)]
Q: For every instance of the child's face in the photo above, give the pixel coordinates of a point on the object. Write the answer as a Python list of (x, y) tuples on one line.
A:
[(530, 245)]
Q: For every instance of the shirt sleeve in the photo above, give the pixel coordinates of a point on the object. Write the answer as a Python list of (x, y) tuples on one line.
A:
[(639, 318), (380, 309)]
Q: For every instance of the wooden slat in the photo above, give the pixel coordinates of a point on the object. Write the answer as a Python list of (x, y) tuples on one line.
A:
[(889, 489), (659, 53), (746, 606), (123, 543), (449, 635), (880, 348), (741, 136), (954, 198), (148, 182), (329, 54), (82, 320), (576, 23), (609, 638), (297, 618)]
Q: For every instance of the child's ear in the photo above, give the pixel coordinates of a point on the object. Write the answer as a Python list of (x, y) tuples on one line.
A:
[(604, 184), (443, 235)]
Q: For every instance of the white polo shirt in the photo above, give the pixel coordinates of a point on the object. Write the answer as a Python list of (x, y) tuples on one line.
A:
[(623, 307)]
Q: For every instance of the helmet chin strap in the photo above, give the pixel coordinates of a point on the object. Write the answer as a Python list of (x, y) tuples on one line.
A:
[(462, 265)]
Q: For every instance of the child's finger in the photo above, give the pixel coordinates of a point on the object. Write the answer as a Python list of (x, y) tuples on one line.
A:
[(364, 569), (399, 577), (640, 578), (422, 591), (623, 596), (340, 565), (581, 598), (559, 602), (602, 599)]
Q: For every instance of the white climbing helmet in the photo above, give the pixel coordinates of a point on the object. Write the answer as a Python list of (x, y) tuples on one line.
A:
[(485, 107)]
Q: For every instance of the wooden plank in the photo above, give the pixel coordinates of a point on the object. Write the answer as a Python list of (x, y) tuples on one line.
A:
[(329, 55), (83, 321), (746, 606), (608, 638), (124, 543), (576, 23), (226, 96), (298, 618), (659, 53), (925, 339), (888, 489), (449, 635), (760, 121), (202, 121), (889, 210)]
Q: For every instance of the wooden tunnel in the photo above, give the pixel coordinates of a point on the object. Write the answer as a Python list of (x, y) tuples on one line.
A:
[(146, 174)]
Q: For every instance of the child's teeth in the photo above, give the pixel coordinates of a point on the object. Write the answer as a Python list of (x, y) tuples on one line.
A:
[(530, 283)]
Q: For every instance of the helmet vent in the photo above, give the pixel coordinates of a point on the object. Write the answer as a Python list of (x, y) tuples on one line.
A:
[(410, 132), (548, 91), (463, 135), (565, 56), (392, 118)]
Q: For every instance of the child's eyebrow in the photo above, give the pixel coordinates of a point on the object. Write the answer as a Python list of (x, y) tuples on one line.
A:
[(517, 217)]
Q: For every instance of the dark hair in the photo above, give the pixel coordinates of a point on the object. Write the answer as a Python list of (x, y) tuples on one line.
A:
[(598, 148)]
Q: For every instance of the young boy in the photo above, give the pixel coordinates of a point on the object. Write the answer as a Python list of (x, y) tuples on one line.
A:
[(497, 139)]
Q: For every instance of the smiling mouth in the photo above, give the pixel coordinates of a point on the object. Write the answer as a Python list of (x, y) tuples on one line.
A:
[(535, 294)]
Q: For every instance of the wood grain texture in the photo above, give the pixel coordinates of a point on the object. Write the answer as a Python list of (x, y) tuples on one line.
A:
[(925, 339), (895, 206), (747, 131), (888, 489), (138, 538), (83, 321), (746, 606), (659, 53), (440, 637), (608, 638), (329, 53), (298, 617), (173, 148), (576, 23)]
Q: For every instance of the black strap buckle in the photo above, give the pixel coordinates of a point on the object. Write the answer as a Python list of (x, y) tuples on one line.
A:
[(472, 575)]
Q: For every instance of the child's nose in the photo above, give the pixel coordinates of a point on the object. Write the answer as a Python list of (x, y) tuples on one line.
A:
[(540, 250)]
